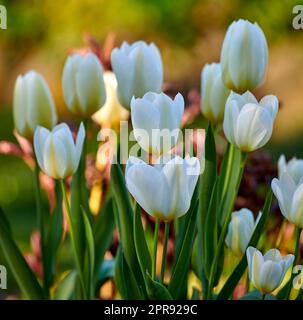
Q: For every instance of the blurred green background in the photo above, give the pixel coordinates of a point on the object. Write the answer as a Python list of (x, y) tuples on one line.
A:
[(189, 33)]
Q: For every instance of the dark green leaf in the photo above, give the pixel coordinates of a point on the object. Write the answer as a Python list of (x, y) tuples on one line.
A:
[(156, 290), (256, 295), (66, 287)]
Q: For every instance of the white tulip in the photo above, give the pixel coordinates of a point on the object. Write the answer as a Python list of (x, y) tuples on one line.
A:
[(240, 230), (57, 154), (112, 112), (83, 84), (138, 68), (267, 272), (248, 124), (156, 119), (290, 198), (213, 93), (244, 56), (294, 167), (33, 104), (164, 190)]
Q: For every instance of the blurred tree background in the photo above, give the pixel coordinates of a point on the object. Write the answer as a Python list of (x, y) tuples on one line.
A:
[(189, 34)]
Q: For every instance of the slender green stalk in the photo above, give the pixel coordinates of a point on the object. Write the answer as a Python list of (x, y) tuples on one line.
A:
[(263, 296), (228, 168), (155, 246), (224, 229), (166, 235), (281, 233), (73, 238), (296, 260), (41, 226)]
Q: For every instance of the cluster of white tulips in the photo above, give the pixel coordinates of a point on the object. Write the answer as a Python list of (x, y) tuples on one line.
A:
[(170, 187)]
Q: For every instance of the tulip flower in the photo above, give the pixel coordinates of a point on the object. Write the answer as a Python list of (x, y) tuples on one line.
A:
[(164, 190), (83, 84), (240, 230), (57, 154), (33, 104), (294, 167), (138, 68), (156, 119), (112, 112), (248, 124), (267, 272), (290, 198), (244, 56), (213, 93)]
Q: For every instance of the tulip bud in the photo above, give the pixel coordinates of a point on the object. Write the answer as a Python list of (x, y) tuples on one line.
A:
[(248, 124), (164, 190), (240, 230), (294, 167), (213, 93), (138, 68), (267, 272), (83, 84), (156, 119), (290, 198), (244, 56), (112, 112), (57, 154), (33, 104)]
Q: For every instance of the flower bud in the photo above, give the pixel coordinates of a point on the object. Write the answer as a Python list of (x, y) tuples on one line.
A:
[(240, 230), (294, 167), (138, 68), (244, 56), (57, 154), (213, 93), (156, 119), (164, 190), (267, 272), (290, 198), (112, 112), (83, 84), (33, 104), (248, 124)]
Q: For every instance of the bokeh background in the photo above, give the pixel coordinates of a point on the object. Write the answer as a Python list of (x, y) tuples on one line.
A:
[(189, 34)]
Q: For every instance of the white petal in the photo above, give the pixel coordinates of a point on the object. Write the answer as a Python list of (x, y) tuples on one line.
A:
[(79, 146), (40, 138)]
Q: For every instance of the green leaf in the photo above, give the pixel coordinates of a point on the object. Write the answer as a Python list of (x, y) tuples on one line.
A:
[(179, 272), (156, 290), (66, 287), (236, 275), (24, 276), (140, 242), (256, 295), (125, 223), (196, 294), (210, 232), (207, 181), (125, 279), (89, 253), (103, 229)]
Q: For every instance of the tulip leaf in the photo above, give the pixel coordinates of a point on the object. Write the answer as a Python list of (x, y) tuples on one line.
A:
[(140, 242), (179, 272), (236, 275), (66, 287), (195, 294), (89, 252), (125, 223), (207, 181), (256, 295), (211, 232), (103, 229), (125, 279), (156, 290), (24, 276)]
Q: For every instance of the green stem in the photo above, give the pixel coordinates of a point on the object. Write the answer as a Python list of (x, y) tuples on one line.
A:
[(228, 168), (73, 238), (296, 260), (41, 223), (281, 233), (156, 235), (166, 235), (263, 296), (224, 229)]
